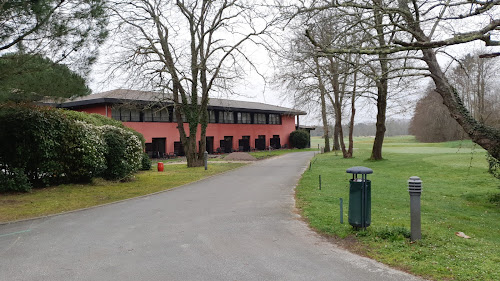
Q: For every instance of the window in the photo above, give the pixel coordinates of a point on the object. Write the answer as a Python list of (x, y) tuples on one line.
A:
[(124, 114), (274, 119), (148, 115), (211, 116), (226, 117), (244, 118), (174, 117), (260, 118), (115, 113), (135, 115), (163, 115)]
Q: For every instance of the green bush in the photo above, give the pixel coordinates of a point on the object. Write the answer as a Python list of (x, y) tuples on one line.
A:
[(299, 139), (101, 120), (84, 152), (145, 162), (42, 146), (30, 140), (14, 180), (124, 155)]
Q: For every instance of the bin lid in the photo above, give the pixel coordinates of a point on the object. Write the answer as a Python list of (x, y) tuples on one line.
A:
[(359, 170)]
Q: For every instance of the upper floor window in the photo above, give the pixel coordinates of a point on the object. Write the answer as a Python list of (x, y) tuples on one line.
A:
[(135, 115), (226, 117), (260, 118), (244, 118), (274, 119), (211, 116)]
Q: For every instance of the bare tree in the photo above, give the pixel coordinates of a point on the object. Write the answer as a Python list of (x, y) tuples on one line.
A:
[(313, 77), (477, 81), (421, 29), (188, 49)]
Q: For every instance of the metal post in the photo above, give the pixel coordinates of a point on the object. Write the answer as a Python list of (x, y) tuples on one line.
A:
[(205, 158), (318, 146), (319, 182), (341, 210), (310, 165), (415, 190)]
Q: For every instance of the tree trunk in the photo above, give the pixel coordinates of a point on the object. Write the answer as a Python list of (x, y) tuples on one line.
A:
[(380, 125), (336, 143), (326, 129), (382, 86), (322, 92), (350, 150), (337, 103)]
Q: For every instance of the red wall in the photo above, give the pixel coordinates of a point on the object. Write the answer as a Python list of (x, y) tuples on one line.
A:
[(99, 109), (152, 130)]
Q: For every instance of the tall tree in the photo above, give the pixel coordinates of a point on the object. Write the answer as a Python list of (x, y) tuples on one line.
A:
[(26, 78), (187, 49), (66, 31), (422, 28)]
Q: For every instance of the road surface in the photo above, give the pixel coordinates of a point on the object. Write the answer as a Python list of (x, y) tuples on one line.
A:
[(241, 225)]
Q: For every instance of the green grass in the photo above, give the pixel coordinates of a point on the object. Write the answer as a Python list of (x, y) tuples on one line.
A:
[(457, 192), (63, 198)]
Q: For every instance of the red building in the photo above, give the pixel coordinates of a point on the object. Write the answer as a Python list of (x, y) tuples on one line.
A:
[(233, 125)]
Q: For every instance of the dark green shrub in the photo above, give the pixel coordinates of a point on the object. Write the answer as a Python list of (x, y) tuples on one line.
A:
[(145, 162), (124, 153), (84, 152), (299, 139), (14, 180), (42, 146), (30, 140)]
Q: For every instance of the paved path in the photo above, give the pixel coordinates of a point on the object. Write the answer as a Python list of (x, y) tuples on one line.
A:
[(236, 226)]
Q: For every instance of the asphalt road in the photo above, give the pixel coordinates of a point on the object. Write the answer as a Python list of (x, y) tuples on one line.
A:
[(241, 225)]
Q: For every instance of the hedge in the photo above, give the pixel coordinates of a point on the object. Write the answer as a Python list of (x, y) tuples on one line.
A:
[(41, 146)]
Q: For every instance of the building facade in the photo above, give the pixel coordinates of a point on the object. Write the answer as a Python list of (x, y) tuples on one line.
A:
[(233, 125)]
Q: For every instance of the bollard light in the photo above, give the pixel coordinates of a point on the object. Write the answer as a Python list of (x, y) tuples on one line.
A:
[(205, 158), (415, 190)]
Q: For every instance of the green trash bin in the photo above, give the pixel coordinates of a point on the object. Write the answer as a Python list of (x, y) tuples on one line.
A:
[(356, 208), (360, 196)]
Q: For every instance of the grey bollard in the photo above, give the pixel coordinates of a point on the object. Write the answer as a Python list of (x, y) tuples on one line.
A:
[(322, 150), (205, 159), (415, 190)]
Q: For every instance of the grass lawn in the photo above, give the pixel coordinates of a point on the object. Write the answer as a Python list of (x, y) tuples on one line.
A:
[(63, 198), (457, 197)]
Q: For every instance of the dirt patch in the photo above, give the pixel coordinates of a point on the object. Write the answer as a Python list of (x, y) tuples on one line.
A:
[(240, 156)]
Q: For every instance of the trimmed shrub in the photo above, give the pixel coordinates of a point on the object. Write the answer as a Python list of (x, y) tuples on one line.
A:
[(14, 180), (299, 139), (145, 162), (100, 120), (30, 140), (41, 146), (124, 155), (84, 152)]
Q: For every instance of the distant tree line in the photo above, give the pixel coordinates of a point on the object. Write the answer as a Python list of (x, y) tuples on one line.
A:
[(395, 127)]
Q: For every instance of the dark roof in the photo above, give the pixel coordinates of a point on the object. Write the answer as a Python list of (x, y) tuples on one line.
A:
[(120, 96)]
